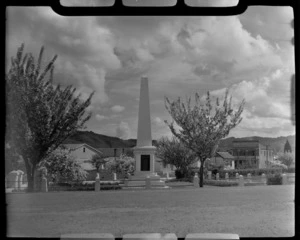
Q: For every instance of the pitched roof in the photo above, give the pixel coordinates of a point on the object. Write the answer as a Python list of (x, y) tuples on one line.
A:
[(76, 146), (225, 155)]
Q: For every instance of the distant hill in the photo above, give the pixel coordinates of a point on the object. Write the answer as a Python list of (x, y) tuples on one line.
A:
[(102, 141)]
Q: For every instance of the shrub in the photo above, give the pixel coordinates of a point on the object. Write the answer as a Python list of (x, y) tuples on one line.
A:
[(274, 179), (181, 174), (178, 174), (220, 183), (254, 172), (289, 170), (82, 186), (179, 180)]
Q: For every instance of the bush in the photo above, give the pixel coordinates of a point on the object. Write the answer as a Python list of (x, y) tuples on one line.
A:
[(274, 179), (220, 183), (178, 174), (82, 186), (254, 172), (180, 180), (289, 170)]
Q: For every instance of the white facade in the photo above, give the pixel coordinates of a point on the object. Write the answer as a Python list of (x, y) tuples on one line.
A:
[(83, 154)]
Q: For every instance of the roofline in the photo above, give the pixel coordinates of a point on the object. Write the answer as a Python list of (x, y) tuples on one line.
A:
[(223, 157), (86, 145)]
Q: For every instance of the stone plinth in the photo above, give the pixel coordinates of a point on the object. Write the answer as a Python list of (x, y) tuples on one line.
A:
[(144, 161)]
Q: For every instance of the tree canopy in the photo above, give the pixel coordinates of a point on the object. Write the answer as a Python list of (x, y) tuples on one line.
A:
[(173, 152), (39, 115), (61, 166), (202, 126)]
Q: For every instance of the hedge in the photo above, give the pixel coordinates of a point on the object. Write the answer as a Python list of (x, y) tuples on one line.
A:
[(274, 179), (179, 180), (220, 183), (82, 186), (254, 172), (289, 170)]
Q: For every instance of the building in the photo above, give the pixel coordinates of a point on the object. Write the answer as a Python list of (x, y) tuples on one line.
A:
[(223, 159), (83, 154), (251, 154), (115, 152)]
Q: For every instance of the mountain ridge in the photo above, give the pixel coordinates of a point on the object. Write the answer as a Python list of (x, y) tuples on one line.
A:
[(97, 140)]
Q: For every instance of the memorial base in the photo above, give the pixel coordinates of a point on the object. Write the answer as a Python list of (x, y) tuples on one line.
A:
[(140, 181)]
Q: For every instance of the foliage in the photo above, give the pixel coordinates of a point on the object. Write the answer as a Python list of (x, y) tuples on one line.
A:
[(274, 179), (83, 186), (98, 161), (244, 172), (39, 116), (202, 126), (121, 165), (220, 183), (275, 164), (174, 152), (286, 158), (13, 161), (61, 166)]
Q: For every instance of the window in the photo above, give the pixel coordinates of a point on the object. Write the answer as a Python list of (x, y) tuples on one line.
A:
[(83, 149)]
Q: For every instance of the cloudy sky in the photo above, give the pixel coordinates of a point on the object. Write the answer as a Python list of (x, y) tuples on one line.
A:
[(251, 54)]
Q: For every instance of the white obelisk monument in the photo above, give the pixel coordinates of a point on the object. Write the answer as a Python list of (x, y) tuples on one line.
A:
[(144, 152)]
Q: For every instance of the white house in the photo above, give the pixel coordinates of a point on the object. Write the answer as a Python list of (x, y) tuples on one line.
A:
[(83, 154)]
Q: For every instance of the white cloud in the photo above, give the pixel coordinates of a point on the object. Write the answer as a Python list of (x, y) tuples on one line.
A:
[(100, 117), (180, 55), (123, 130), (158, 122), (117, 108)]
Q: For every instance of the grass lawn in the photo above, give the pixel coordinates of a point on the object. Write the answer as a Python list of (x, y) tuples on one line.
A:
[(258, 211)]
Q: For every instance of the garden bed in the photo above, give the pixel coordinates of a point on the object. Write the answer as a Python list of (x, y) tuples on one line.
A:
[(220, 183)]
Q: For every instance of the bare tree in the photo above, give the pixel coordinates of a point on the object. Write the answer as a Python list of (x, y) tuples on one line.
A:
[(202, 126)]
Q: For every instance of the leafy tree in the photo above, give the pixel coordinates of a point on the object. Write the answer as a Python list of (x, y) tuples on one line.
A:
[(286, 158), (201, 128), (121, 165), (175, 153), (39, 115), (13, 161), (59, 166), (98, 160)]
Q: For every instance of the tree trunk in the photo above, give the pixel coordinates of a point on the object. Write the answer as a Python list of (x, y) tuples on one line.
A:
[(30, 177), (201, 174)]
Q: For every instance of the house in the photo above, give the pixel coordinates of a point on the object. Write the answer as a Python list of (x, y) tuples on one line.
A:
[(115, 152), (223, 159), (251, 154), (83, 154)]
